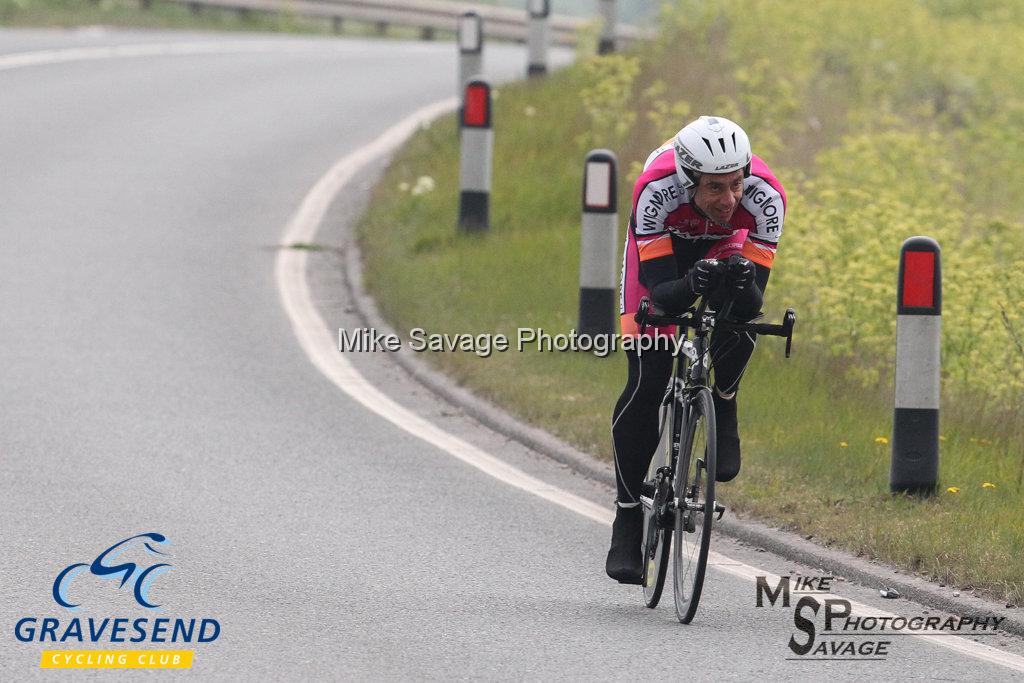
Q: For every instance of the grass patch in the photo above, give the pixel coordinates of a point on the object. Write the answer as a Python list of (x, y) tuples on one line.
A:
[(815, 427)]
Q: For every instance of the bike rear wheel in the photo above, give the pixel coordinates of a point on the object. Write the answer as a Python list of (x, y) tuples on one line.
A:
[(694, 488)]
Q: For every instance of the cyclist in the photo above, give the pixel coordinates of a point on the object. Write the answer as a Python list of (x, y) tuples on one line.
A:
[(706, 214)]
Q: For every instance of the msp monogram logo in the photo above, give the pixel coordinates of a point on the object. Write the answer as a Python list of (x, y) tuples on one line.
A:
[(841, 635), (126, 571), (134, 578)]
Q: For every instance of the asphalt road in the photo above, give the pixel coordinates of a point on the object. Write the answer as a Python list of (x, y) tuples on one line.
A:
[(153, 383)]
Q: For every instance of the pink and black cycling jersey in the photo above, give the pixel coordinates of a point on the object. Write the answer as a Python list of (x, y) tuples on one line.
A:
[(663, 216)]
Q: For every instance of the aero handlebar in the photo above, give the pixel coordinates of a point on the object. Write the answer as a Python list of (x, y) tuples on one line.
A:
[(694, 319)]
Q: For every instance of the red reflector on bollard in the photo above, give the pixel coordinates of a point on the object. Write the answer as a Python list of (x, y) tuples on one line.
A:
[(919, 279), (475, 113)]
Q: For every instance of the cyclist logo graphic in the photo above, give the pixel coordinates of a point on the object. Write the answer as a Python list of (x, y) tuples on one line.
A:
[(103, 566)]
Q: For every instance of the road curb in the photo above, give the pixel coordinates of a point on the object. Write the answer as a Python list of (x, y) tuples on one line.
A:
[(778, 541)]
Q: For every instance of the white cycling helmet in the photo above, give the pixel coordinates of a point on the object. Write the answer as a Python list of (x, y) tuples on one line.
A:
[(710, 144)]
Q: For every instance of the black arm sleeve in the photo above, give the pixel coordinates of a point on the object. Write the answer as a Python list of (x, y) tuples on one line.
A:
[(748, 303), (668, 293), (673, 296), (658, 270)]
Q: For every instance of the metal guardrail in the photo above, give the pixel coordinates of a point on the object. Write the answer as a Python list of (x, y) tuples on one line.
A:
[(427, 15)]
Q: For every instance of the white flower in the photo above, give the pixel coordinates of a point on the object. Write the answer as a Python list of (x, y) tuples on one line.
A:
[(423, 185), (403, 187), (530, 111)]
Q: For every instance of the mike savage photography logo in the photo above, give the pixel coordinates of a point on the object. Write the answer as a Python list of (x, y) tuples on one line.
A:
[(134, 580), (486, 344), (826, 629)]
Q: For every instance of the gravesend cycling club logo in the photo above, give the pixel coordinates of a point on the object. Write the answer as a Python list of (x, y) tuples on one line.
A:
[(843, 635), (132, 565), (127, 571)]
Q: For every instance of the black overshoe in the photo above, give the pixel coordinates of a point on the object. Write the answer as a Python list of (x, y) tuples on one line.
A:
[(625, 560), (727, 438)]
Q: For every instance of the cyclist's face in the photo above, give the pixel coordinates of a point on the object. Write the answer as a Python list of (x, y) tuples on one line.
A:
[(718, 195)]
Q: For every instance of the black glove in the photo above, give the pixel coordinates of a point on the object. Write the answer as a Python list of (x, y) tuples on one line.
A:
[(701, 277), (740, 272)]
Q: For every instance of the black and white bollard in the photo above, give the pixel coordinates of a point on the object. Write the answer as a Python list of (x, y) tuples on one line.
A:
[(471, 49), (915, 430), (598, 247), (538, 38), (607, 42), (477, 151)]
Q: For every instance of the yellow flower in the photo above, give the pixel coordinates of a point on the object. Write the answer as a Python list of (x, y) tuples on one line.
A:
[(988, 485), (843, 444), (942, 438), (985, 442), (952, 489), (881, 440)]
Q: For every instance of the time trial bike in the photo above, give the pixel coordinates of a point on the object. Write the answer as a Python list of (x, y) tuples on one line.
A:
[(678, 493)]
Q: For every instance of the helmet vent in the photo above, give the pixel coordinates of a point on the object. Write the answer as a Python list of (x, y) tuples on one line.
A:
[(734, 140), (708, 143), (721, 141)]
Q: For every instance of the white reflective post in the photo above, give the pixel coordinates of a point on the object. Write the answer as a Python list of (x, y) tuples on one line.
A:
[(539, 37), (598, 244), (607, 43), (471, 49), (915, 427), (476, 156)]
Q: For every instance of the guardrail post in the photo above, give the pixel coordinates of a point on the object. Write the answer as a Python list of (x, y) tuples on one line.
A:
[(476, 153), (607, 43), (915, 430), (338, 24), (538, 38), (471, 49), (598, 243)]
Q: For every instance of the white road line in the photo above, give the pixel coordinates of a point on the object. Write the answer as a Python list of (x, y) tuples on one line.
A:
[(318, 341), (20, 60)]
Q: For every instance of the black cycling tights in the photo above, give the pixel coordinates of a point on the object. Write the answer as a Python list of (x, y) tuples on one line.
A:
[(635, 420)]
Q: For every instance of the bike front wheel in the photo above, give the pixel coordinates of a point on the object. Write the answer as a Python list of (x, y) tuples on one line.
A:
[(694, 488)]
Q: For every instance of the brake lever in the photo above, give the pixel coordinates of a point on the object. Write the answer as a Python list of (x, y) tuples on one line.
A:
[(641, 314), (788, 323)]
